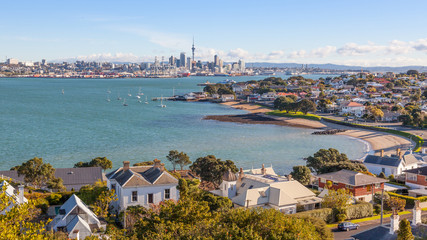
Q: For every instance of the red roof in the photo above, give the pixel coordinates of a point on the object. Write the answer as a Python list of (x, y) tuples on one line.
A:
[(285, 94), (354, 104)]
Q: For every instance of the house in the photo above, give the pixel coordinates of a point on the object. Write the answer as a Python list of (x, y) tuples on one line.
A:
[(417, 179), (17, 196), (362, 186), (142, 185), (73, 178), (394, 164), (269, 96), (353, 108), (227, 97), (76, 219), (263, 188)]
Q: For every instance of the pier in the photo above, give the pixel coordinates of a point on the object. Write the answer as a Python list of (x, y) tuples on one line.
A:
[(162, 98)]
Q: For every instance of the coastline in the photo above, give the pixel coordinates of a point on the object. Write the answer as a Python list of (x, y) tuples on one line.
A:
[(375, 141)]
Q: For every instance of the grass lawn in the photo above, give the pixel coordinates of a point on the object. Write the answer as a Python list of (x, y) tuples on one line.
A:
[(334, 225), (308, 116)]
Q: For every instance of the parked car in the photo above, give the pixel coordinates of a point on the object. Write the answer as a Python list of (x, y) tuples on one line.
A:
[(347, 226)]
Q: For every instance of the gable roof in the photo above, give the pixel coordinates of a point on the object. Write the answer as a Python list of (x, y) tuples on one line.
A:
[(386, 161), (351, 178), (353, 104), (77, 223), (74, 202), (141, 175)]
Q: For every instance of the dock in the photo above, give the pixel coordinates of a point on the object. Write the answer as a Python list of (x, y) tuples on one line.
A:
[(162, 98)]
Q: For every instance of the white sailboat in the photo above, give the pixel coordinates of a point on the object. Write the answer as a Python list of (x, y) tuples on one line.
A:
[(139, 92), (129, 94), (118, 97), (146, 100), (124, 103), (62, 91)]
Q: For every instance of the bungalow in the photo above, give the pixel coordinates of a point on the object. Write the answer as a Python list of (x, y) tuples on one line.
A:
[(227, 97), (263, 188), (269, 96), (142, 185), (394, 164), (76, 219), (362, 186), (417, 179)]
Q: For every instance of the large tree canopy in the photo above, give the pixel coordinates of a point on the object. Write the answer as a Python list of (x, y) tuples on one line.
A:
[(212, 169), (331, 160), (302, 174), (178, 158), (39, 174), (102, 162)]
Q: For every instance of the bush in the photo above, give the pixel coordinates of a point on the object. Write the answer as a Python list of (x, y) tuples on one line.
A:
[(320, 226), (360, 210), (341, 217), (326, 214), (54, 198), (410, 201), (42, 204)]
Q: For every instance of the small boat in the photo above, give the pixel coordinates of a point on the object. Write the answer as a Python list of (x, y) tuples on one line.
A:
[(108, 91), (118, 97), (129, 94), (146, 100), (124, 103), (161, 102), (139, 92), (62, 91), (138, 96)]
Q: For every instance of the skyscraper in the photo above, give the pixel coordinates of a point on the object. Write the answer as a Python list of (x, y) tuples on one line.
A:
[(216, 61), (192, 49), (182, 59), (189, 63)]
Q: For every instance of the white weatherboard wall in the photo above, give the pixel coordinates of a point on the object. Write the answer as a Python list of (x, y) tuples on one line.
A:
[(158, 192), (377, 169)]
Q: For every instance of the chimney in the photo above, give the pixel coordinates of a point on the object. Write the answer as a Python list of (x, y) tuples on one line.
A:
[(398, 152), (158, 165), (21, 194), (382, 153), (400, 155), (241, 174), (126, 165), (263, 170), (416, 214), (394, 222)]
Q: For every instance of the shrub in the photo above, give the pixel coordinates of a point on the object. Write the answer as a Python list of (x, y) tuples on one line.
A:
[(320, 226), (326, 214), (360, 210), (410, 201), (54, 198), (341, 217), (42, 204), (382, 175)]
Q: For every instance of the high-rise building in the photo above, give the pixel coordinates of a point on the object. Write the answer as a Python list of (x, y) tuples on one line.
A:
[(242, 65), (12, 61), (216, 60), (43, 61), (189, 63), (172, 61), (182, 59)]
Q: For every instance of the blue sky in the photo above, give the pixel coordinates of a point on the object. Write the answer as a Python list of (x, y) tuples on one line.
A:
[(367, 33)]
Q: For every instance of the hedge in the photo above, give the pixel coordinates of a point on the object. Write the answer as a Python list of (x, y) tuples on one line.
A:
[(410, 201), (326, 214), (360, 210), (418, 140)]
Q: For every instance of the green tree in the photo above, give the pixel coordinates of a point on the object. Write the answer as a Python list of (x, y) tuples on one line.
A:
[(212, 169), (56, 184), (102, 162), (331, 160), (396, 203), (103, 201), (306, 106), (36, 172), (178, 158), (338, 199), (283, 103), (302, 174), (405, 230)]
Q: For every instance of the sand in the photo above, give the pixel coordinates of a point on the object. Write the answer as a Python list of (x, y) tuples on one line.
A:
[(377, 140)]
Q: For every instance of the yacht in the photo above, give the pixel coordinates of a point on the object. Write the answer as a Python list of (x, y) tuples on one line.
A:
[(124, 103)]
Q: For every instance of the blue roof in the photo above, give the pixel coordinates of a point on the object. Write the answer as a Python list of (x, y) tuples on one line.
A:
[(386, 161)]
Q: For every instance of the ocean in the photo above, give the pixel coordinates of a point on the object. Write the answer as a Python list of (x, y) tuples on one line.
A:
[(65, 121)]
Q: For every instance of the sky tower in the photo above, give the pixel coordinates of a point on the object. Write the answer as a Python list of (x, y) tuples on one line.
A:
[(192, 49)]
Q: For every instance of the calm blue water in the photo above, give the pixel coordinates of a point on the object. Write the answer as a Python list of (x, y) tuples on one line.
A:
[(38, 120)]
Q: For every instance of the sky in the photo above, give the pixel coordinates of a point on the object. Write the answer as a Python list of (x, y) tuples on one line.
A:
[(363, 33)]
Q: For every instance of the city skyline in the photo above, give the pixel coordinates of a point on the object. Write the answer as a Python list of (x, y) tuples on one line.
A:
[(349, 33)]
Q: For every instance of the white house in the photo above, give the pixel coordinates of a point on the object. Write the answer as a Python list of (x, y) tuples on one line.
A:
[(227, 97), (142, 185), (394, 164), (353, 108), (76, 219), (18, 197), (263, 188)]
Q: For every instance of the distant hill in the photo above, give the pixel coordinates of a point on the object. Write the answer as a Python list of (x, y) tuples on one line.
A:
[(339, 67)]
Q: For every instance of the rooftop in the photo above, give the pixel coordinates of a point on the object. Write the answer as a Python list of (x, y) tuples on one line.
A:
[(351, 178)]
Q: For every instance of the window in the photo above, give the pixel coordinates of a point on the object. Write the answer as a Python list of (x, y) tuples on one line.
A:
[(335, 184), (411, 177), (150, 198), (377, 185), (251, 186), (113, 186), (167, 193), (134, 196), (243, 184), (368, 188), (322, 180)]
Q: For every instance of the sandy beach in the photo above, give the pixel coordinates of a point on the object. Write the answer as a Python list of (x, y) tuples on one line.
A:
[(377, 140)]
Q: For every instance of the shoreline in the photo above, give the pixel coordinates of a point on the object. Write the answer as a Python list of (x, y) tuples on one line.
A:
[(374, 141)]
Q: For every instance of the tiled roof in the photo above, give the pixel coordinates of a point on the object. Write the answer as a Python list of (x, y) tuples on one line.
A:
[(419, 171), (351, 178), (141, 175)]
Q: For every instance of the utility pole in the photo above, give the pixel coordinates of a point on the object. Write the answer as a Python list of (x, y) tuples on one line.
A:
[(382, 205)]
